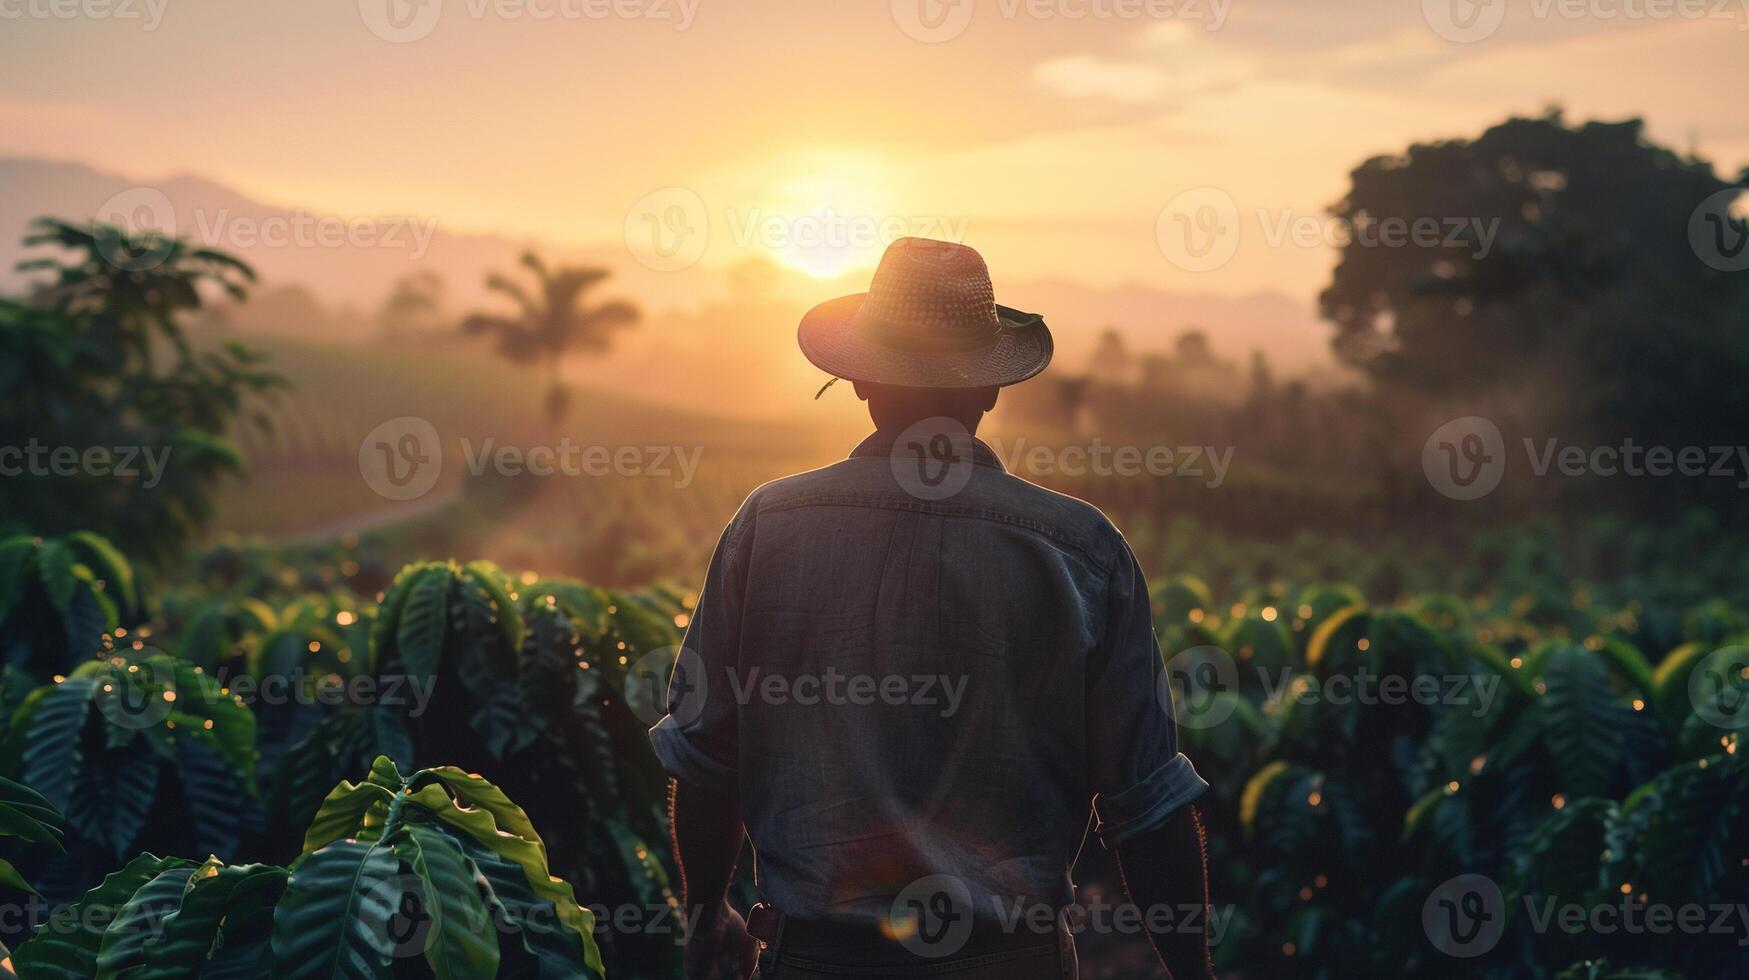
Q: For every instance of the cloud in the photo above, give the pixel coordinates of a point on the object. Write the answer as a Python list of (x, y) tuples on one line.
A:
[(1085, 76), (1172, 59), (1164, 35)]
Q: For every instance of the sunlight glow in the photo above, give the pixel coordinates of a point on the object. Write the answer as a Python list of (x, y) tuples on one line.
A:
[(836, 214)]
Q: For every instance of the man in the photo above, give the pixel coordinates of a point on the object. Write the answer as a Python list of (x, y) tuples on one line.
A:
[(910, 674)]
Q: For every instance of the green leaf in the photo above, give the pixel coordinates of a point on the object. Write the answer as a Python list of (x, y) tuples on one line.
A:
[(585, 604), (424, 621), (1671, 680), (1255, 642), (52, 755), (54, 562), (10, 877), (25, 813), (16, 554), (215, 795), (108, 564), (342, 813), (1180, 596), (559, 954), (1631, 664), (529, 855), (1581, 720), (1335, 637), (205, 639), (382, 636), (491, 578), (66, 946), (384, 773), (474, 790), (334, 918), (1417, 816), (87, 618), (122, 955), (199, 697), (1560, 858), (112, 800), (222, 901), (1251, 798), (1693, 831), (462, 942)]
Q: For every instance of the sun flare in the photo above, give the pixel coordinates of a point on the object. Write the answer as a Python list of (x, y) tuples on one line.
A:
[(836, 215)]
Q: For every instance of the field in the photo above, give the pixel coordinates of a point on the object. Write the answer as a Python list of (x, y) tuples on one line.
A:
[(1561, 752), (362, 687), (1565, 729)]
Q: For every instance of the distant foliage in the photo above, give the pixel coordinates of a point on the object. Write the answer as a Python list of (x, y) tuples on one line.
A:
[(126, 418), (1567, 292)]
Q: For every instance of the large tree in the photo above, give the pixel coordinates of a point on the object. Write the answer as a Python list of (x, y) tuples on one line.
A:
[(1579, 283)]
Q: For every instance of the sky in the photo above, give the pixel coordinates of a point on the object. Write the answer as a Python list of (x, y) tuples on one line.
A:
[(1063, 138)]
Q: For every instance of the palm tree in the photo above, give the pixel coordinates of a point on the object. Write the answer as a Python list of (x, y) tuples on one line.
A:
[(552, 323)]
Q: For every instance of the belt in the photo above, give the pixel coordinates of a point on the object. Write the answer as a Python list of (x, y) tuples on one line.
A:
[(766, 924)]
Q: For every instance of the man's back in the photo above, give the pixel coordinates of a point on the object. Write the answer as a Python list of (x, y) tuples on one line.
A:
[(904, 680), (909, 673)]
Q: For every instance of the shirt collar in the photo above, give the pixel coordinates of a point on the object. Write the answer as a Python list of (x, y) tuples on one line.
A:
[(881, 443)]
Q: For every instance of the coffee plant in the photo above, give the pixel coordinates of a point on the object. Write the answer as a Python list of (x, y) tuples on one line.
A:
[(433, 874), (1569, 752)]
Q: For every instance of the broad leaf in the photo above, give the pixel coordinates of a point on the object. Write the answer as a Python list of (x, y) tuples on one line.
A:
[(123, 951), (462, 942), (66, 946), (333, 921)]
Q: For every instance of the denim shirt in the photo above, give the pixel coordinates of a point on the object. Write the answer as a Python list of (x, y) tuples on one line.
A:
[(900, 684)]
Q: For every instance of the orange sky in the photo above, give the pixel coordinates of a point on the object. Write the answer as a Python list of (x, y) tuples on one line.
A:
[(1049, 133)]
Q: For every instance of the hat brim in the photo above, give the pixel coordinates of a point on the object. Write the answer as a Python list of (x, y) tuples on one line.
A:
[(827, 339)]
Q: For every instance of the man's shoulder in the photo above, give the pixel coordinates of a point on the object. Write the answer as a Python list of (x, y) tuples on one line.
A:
[(990, 493), (1064, 515), (797, 488)]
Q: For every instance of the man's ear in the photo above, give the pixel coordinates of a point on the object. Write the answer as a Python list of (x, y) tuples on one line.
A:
[(990, 396), (861, 392)]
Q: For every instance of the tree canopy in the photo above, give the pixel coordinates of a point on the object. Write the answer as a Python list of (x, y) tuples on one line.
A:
[(1582, 275)]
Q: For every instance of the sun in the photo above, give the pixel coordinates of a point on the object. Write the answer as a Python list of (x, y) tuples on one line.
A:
[(834, 215)]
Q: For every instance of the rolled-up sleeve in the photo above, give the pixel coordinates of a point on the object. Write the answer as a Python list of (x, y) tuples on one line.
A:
[(698, 740), (1139, 776)]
